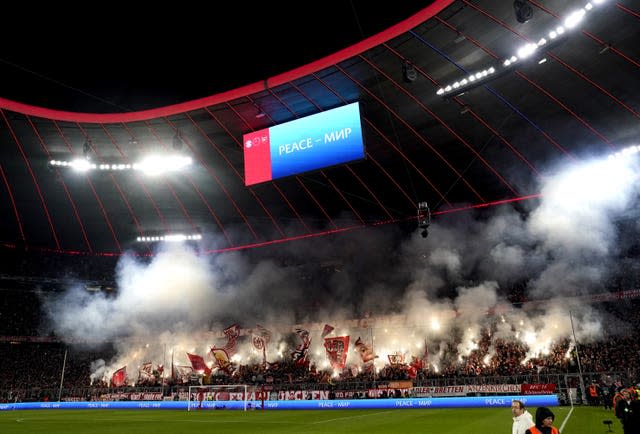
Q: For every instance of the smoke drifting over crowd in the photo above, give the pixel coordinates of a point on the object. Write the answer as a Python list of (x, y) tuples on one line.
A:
[(442, 288)]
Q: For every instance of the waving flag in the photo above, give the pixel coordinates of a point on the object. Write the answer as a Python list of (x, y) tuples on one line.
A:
[(396, 359), (222, 359), (232, 333), (119, 378), (182, 373), (366, 354), (326, 330), (337, 349), (145, 373), (198, 364), (299, 355), (260, 338)]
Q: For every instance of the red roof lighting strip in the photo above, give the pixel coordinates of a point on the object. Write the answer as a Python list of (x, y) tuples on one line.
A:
[(322, 172), (64, 185), (93, 190), (147, 193), (445, 125), (559, 60), (591, 35), (308, 98), (13, 204), (113, 179), (495, 56), (222, 154), (298, 178), (425, 14), (33, 177), (548, 94), (480, 119), (389, 142), (273, 183), (627, 10), (418, 135), (204, 200)]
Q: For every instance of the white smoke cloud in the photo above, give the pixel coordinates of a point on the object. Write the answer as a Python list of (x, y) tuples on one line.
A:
[(578, 203), (443, 289)]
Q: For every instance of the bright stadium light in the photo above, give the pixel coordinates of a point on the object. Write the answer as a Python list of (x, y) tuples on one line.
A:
[(169, 238), (79, 164), (152, 165), (574, 18), (157, 164), (527, 51)]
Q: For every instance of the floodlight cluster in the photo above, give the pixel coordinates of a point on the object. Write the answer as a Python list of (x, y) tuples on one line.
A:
[(526, 51), (626, 152), (151, 165), (170, 238), (472, 78)]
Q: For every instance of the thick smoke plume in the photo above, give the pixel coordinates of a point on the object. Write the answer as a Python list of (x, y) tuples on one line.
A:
[(445, 290)]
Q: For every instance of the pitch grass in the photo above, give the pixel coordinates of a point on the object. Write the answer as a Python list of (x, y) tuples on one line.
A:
[(583, 420)]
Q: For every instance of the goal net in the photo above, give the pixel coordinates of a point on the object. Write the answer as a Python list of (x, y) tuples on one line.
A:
[(219, 396)]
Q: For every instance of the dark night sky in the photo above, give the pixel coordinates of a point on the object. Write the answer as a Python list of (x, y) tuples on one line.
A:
[(115, 59)]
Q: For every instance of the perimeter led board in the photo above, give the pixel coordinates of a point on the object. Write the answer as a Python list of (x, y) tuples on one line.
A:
[(317, 141)]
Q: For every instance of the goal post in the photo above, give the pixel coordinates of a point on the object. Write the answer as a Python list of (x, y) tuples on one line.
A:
[(219, 396)]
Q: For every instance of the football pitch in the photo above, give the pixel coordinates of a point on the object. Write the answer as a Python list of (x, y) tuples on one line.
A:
[(580, 420)]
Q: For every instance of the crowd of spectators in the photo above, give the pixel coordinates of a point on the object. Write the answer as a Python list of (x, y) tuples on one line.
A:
[(42, 265), (37, 364)]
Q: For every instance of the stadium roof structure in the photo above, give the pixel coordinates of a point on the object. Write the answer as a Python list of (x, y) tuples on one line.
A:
[(552, 91)]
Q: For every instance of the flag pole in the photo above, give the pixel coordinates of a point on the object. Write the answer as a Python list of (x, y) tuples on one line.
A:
[(64, 364), (374, 360), (172, 373), (582, 390), (164, 363)]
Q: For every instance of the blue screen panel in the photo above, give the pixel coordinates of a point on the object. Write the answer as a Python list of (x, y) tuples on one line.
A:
[(317, 141)]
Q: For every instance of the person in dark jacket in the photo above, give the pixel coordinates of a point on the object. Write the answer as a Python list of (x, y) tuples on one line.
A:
[(544, 422), (633, 421), (624, 412)]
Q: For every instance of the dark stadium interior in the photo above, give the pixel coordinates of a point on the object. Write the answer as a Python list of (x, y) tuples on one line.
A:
[(346, 241), (491, 144)]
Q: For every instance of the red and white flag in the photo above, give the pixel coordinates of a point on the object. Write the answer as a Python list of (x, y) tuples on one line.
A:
[(222, 359), (337, 349), (366, 355), (299, 355), (396, 358), (260, 338), (145, 373), (182, 373), (326, 330), (198, 364), (232, 333), (119, 378)]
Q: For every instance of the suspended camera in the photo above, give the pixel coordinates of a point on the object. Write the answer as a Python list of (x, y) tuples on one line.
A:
[(523, 10), (424, 218)]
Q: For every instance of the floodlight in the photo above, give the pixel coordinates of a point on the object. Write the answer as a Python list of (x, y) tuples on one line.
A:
[(170, 238)]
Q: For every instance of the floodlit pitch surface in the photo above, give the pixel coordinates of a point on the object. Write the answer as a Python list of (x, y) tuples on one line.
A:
[(582, 420)]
